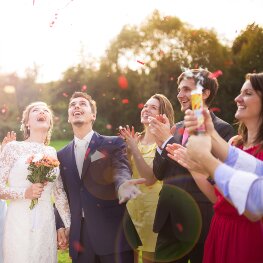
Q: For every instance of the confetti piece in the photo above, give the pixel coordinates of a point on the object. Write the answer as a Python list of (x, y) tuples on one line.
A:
[(140, 105), (65, 94), (140, 62), (84, 88), (123, 83), (77, 246), (215, 109), (125, 101), (216, 74), (108, 126), (179, 227)]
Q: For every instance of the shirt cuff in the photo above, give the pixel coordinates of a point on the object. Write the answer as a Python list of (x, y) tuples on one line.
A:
[(232, 156), (160, 149), (223, 175), (239, 187)]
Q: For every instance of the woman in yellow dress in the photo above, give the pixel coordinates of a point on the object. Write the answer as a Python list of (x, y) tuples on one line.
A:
[(142, 148)]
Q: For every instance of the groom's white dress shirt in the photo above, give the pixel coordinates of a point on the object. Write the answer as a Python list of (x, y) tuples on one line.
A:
[(81, 146)]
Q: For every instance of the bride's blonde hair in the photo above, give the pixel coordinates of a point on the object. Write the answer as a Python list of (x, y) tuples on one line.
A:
[(25, 117)]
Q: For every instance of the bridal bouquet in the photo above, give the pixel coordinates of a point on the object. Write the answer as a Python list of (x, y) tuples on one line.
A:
[(41, 168)]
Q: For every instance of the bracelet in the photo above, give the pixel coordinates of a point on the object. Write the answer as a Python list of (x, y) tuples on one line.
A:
[(211, 180)]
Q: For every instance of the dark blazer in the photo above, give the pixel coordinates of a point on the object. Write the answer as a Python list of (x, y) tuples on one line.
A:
[(174, 174), (105, 168)]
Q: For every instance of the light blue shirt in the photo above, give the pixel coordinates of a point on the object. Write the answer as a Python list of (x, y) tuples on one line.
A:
[(2, 217), (240, 179)]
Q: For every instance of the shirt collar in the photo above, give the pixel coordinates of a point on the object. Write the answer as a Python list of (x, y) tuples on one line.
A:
[(86, 139)]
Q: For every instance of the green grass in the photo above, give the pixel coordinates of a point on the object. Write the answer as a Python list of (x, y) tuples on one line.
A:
[(58, 144)]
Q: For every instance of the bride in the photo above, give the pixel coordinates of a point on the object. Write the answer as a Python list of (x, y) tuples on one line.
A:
[(30, 235)]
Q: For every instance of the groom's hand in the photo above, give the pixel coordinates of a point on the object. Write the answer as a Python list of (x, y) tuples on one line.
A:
[(128, 190), (62, 238)]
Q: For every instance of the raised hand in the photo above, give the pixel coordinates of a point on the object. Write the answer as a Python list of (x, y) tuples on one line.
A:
[(10, 136), (159, 127), (128, 190), (130, 136), (191, 123)]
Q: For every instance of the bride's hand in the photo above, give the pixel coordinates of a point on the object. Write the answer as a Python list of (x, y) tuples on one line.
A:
[(34, 191)]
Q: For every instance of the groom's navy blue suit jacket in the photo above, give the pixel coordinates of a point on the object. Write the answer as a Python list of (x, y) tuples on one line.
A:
[(105, 168)]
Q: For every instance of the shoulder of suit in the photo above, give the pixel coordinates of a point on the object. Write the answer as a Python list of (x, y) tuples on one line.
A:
[(218, 120), (65, 148)]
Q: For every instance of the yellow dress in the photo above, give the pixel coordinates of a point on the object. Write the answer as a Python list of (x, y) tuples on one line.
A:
[(142, 209)]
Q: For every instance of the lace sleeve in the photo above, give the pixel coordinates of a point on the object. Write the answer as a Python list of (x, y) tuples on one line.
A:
[(6, 163), (61, 200)]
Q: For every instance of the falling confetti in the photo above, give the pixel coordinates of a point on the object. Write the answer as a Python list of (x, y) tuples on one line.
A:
[(125, 101), (108, 126), (215, 109), (140, 105), (140, 62), (216, 74), (65, 94), (123, 82), (179, 227), (84, 88)]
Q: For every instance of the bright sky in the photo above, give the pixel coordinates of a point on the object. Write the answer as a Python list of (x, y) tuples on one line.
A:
[(28, 38)]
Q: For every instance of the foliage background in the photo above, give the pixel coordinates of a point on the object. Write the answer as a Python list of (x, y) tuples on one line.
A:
[(141, 61)]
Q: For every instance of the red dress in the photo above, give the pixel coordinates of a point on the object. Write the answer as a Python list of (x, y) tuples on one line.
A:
[(233, 238)]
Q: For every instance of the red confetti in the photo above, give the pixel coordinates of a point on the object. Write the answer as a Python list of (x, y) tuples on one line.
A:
[(216, 74), (65, 94), (77, 246), (180, 131), (140, 62), (179, 227), (125, 101), (123, 82), (84, 88), (215, 109), (140, 105)]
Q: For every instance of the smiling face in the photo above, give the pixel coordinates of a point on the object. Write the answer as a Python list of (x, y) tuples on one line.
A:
[(80, 112), (150, 109), (184, 93), (39, 117), (249, 104)]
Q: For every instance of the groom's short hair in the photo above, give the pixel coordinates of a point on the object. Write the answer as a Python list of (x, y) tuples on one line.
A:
[(86, 96)]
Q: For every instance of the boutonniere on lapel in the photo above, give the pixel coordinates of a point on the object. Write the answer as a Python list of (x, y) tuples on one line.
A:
[(96, 156)]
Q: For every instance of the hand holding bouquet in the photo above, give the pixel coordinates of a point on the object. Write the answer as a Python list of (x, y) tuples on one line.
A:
[(41, 168)]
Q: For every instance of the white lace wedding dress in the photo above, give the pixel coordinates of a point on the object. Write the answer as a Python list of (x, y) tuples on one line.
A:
[(29, 235)]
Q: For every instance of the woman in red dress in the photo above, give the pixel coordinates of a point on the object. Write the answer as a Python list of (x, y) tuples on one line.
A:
[(233, 238)]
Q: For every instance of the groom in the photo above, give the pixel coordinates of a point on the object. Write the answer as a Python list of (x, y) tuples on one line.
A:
[(96, 177)]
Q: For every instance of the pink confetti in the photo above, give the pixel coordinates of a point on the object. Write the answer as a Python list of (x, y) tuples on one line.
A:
[(108, 126), (216, 74), (84, 88), (65, 94)]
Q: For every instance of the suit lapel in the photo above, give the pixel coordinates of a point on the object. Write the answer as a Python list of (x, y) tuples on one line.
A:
[(93, 145)]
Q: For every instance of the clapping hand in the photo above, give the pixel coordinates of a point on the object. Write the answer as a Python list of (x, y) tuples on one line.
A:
[(128, 190), (180, 154), (130, 136)]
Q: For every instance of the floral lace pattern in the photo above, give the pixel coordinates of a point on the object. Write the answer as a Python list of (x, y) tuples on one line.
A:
[(29, 235)]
